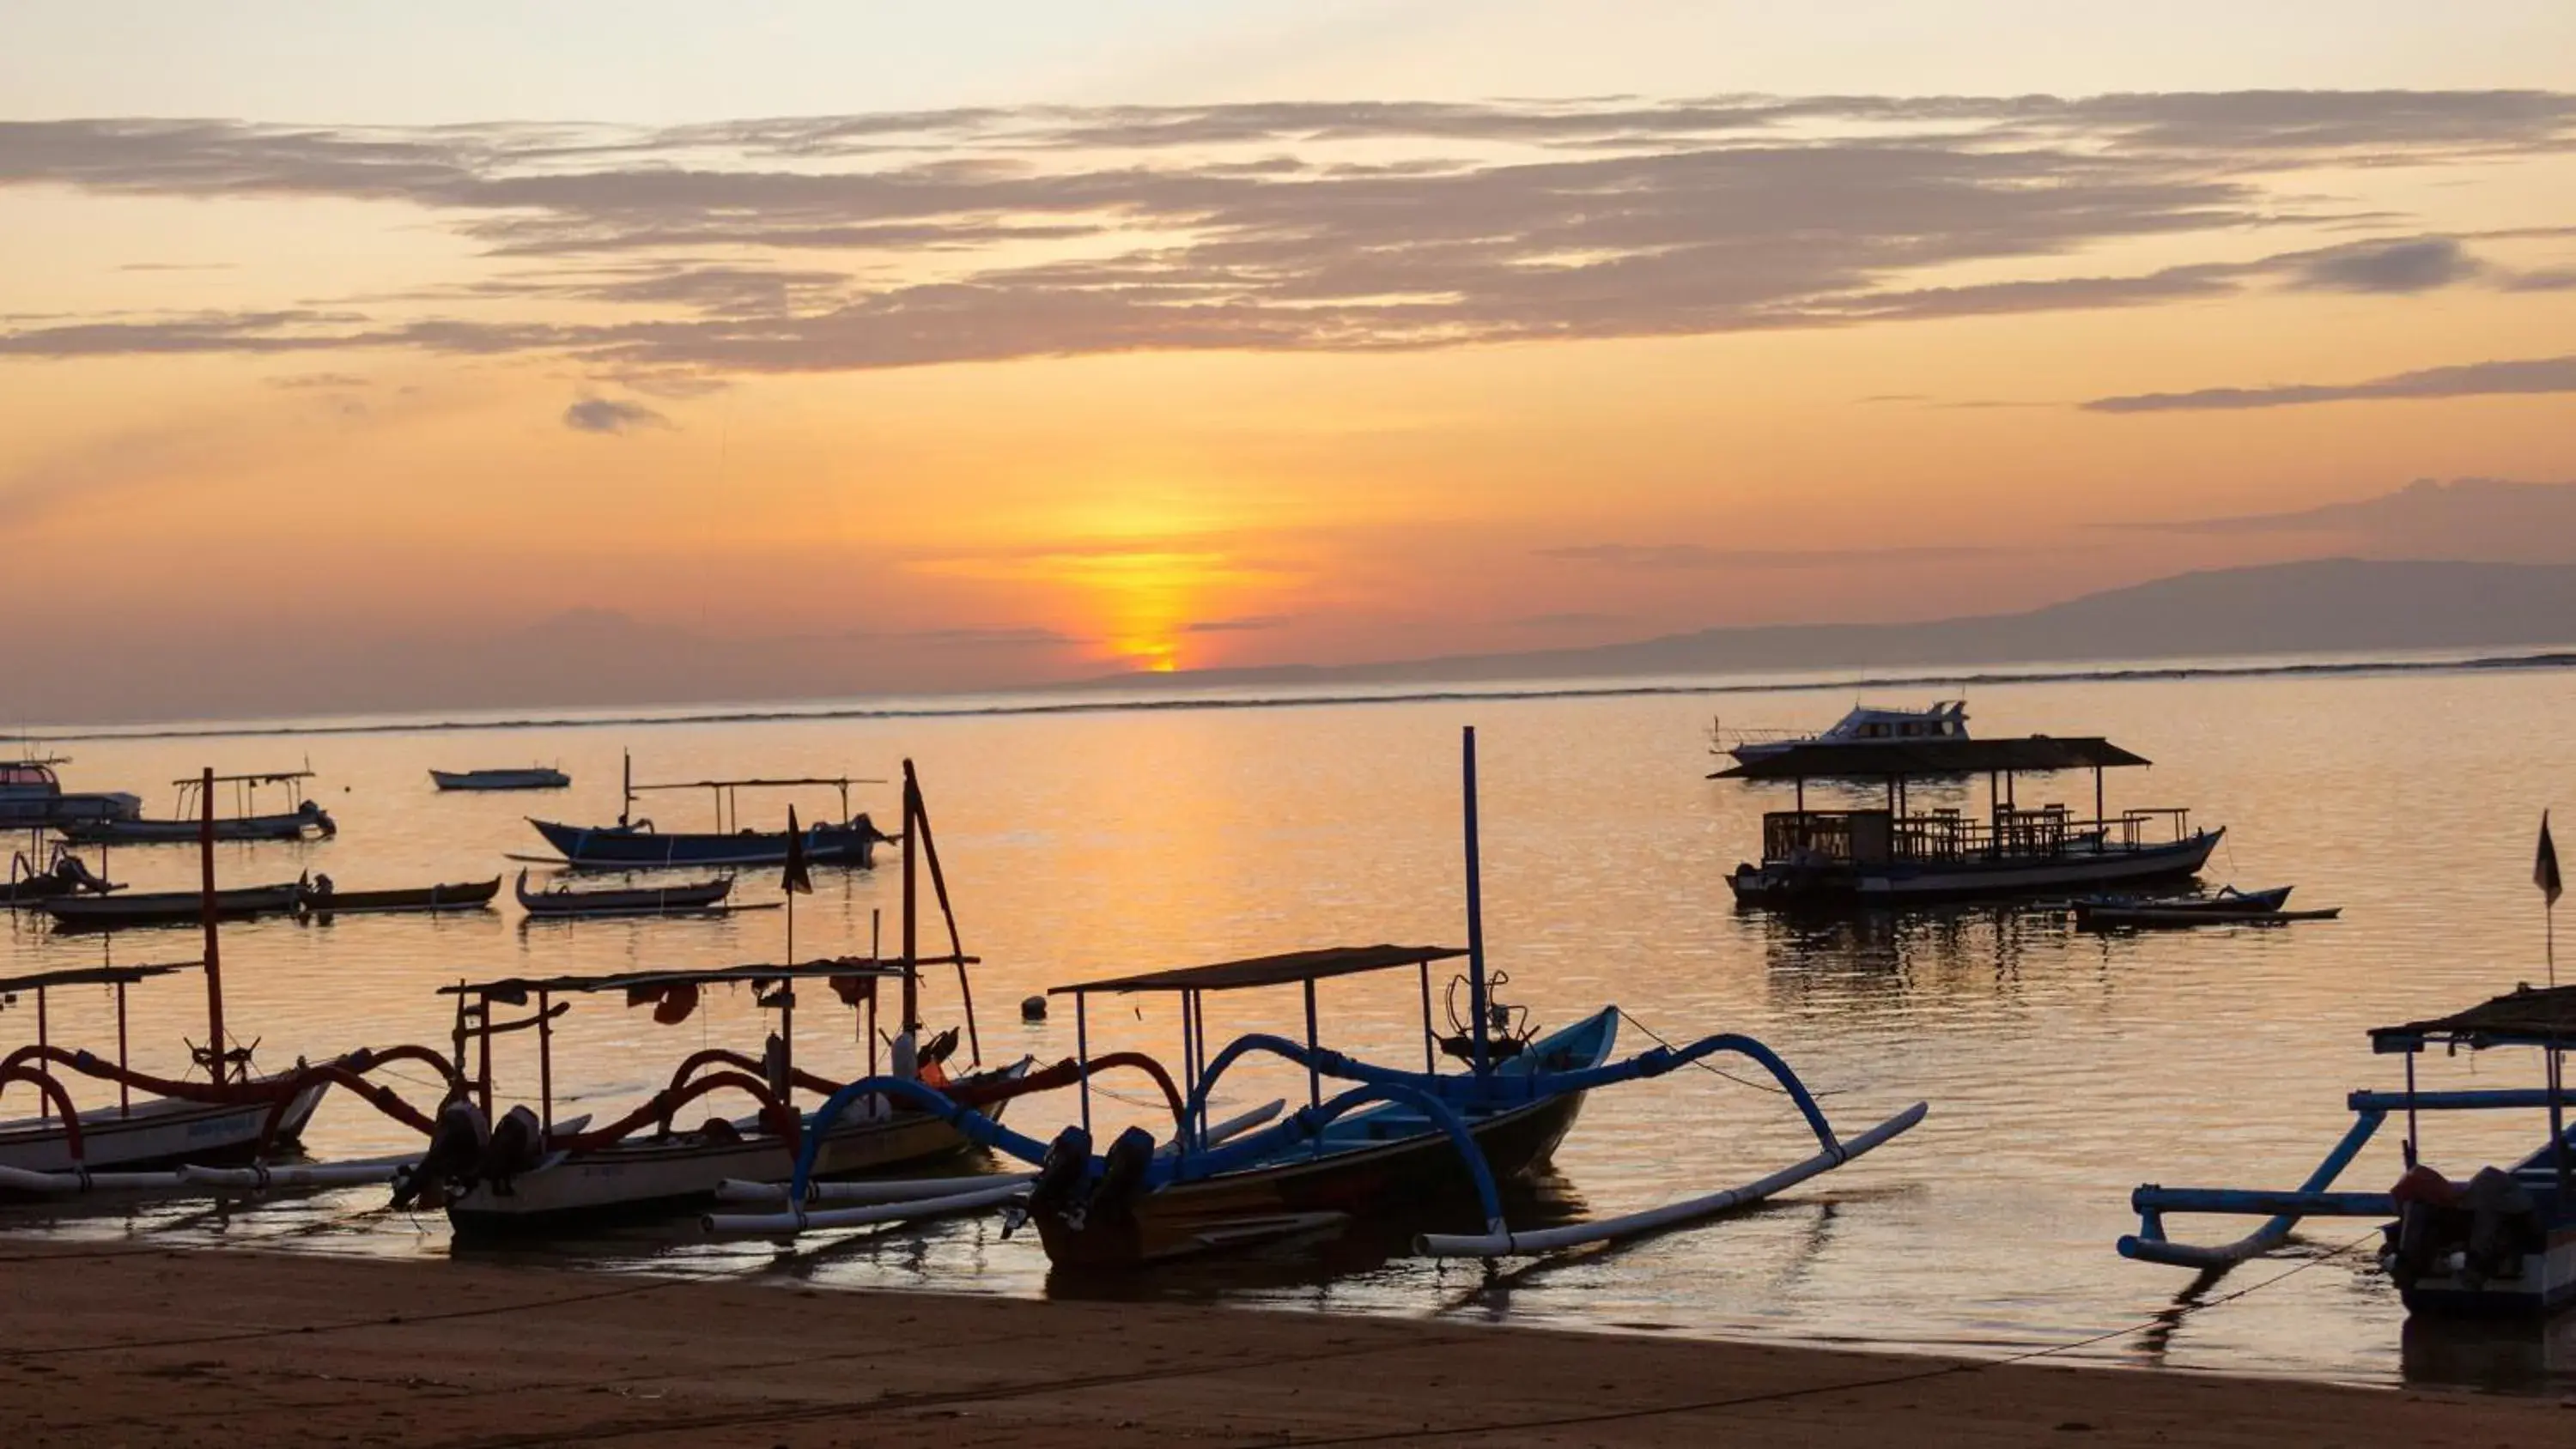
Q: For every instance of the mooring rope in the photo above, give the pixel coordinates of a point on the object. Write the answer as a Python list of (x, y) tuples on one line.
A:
[(1703, 1064)]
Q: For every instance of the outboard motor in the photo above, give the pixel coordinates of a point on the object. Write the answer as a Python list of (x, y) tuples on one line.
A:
[(517, 1145), (455, 1150), (1059, 1178), (1122, 1177)]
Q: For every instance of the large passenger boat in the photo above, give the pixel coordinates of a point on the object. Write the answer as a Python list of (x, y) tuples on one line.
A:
[(1895, 856), (1867, 726)]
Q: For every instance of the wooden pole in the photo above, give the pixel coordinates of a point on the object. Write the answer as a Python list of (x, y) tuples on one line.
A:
[(215, 1037), (911, 915), (1475, 909), (545, 1069)]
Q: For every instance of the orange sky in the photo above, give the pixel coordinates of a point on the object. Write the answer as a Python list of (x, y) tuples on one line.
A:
[(1312, 357)]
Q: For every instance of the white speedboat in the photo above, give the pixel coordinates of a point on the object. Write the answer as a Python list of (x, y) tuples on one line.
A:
[(1867, 726)]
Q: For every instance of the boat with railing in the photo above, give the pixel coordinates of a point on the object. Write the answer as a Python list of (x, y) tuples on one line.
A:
[(32, 797), (1867, 726), (1894, 856)]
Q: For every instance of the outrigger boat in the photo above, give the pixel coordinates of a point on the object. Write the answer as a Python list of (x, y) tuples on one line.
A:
[(1894, 857), (2229, 907), (1866, 727), (305, 821), (525, 1171), (173, 1133), (2501, 1242), (633, 844), (1393, 1142), (322, 898), (563, 901), (534, 777)]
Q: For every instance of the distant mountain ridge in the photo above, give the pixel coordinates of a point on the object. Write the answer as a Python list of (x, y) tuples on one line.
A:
[(2320, 606)]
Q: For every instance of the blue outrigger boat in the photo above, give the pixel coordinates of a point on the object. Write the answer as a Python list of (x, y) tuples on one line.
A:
[(633, 844), (2501, 1242), (1390, 1142)]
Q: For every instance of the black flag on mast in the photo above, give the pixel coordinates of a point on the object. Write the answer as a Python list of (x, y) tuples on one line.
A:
[(2544, 870), (795, 881)]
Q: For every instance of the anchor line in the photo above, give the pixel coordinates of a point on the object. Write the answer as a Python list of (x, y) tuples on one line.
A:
[(1666, 1043)]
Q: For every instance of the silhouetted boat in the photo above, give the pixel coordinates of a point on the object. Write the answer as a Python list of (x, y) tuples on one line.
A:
[(170, 908), (633, 844), (32, 797), (322, 898), (67, 876), (189, 825), (1867, 725), (534, 777), (563, 900), (2229, 906)]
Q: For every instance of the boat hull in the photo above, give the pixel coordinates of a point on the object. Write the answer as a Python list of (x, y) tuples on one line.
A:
[(161, 1132), (1421, 1170), (465, 896), (168, 908), (539, 779), (654, 1176), (2545, 1285), (293, 826), (670, 900), (617, 847), (1910, 883)]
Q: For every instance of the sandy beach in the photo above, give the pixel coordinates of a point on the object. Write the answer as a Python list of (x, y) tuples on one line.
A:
[(137, 1346)]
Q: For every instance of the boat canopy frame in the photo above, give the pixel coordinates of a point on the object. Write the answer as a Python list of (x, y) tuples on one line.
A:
[(246, 790), (727, 793)]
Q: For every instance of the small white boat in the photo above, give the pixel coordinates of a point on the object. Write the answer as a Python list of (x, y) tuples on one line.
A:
[(534, 777), (31, 797), (1866, 726)]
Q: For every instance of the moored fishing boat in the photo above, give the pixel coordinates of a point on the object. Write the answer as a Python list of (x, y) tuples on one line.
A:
[(306, 820), (170, 908), (2502, 1240), (524, 1171), (67, 875), (1393, 1143), (562, 900), (532, 777), (230, 1111), (633, 844), (2228, 906), (322, 897), (1893, 856)]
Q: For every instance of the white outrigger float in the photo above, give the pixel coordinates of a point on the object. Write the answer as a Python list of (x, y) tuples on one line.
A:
[(2501, 1242), (1393, 1143)]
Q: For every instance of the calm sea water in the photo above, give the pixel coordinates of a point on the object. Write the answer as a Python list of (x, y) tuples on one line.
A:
[(2062, 1069)]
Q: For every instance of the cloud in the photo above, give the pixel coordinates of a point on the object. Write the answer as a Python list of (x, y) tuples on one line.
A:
[(1696, 556), (2474, 379), (1235, 626), (2416, 265), (994, 233), (611, 415), (1566, 619), (318, 379)]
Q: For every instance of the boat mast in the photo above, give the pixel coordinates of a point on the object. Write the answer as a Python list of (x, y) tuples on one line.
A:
[(214, 960), (1475, 910)]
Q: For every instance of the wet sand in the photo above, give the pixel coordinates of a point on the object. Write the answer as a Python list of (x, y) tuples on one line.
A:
[(138, 1346)]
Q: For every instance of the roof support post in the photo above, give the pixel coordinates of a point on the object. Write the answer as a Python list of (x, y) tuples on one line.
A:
[(1082, 1051), (1430, 1038), (124, 1089), (545, 1069), (215, 1062)]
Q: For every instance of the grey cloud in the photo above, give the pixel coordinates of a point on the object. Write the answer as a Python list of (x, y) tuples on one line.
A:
[(1046, 231), (299, 380), (611, 415), (1566, 619), (1698, 556), (2466, 518), (2549, 280), (2474, 379), (2415, 265)]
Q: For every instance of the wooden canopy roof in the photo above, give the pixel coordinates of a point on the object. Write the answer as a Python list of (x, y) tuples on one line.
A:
[(1281, 970), (516, 989), (95, 976), (2527, 1016), (1898, 759)]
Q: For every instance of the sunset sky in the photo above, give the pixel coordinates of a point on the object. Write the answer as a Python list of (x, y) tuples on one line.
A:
[(1013, 343)]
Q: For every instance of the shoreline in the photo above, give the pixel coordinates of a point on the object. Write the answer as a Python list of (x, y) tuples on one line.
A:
[(137, 1344)]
